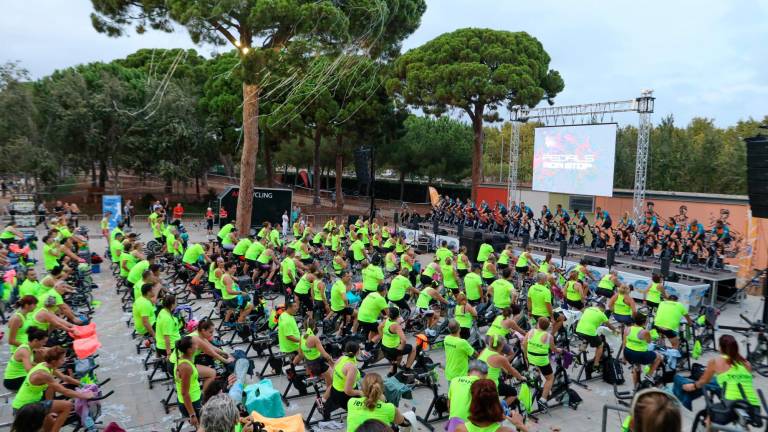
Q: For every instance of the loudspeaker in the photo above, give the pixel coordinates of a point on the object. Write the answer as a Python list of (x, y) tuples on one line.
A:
[(500, 238), (435, 226), (611, 257), (563, 248), (526, 239), (665, 261), (757, 174), (594, 261), (478, 235), (460, 230), (397, 218), (472, 245)]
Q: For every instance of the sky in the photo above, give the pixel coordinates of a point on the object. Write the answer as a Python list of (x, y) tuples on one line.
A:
[(701, 58)]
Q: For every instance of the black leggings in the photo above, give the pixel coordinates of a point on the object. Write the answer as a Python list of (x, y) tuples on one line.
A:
[(13, 384), (336, 400)]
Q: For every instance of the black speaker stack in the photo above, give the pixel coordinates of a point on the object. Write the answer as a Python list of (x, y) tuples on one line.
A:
[(757, 174)]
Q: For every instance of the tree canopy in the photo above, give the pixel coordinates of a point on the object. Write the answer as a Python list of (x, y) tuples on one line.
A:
[(477, 71)]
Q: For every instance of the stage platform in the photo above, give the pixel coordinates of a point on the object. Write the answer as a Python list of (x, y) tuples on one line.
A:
[(626, 263)]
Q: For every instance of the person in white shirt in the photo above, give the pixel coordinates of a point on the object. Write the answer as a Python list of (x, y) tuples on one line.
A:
[(285, 224)]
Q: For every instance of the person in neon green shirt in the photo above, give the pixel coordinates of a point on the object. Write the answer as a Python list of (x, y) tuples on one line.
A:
[(540, 302), (457, 352), (138, 269), (318, 361), (443, 252), (31, 286), (371, 307), (340, 303), (242, 246), (191, 260), (288, 334), (51, 253), (622, 305), (274, 238), (450, 276), (502, 291), (484, 252), (167, 327), (490, 270), (607, 284), (393, 341), (104, 224), (473, 286), (42, 379), (400, 290), (506, 255), (537, 346), (129, 257), (465, 314), (733, 373), (358, 249), (373, 276), (592, 318), (668, 317), (636, 352), (20, 321), (143, 311), (288, 269), (372, 405), (185, 376), (655, 293), (459, 395), (115, 248), (10, 234)]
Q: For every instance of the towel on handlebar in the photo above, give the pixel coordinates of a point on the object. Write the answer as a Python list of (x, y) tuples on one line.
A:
[(86, 409), (261, 397)]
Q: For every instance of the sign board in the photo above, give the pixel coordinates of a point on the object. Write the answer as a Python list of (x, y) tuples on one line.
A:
[(268, 205), (112, 204)]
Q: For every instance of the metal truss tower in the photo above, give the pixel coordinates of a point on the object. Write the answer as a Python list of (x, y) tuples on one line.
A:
[(587, 113)]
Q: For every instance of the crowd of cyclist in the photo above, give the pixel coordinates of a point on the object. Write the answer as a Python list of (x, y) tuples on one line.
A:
[(316, 270), (684, 240)]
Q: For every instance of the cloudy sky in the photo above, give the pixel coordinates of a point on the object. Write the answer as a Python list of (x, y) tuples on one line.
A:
[(701, 58)]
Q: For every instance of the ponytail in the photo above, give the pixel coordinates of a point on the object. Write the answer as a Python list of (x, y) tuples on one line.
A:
[(373, 390)]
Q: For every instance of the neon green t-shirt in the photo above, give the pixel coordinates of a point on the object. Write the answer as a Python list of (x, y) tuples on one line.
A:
[(371, 307), (457, 354)]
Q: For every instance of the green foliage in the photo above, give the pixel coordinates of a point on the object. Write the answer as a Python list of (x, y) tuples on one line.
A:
[(433, 148), (477, 71)]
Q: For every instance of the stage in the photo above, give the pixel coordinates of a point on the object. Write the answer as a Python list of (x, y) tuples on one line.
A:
[(716, 279)]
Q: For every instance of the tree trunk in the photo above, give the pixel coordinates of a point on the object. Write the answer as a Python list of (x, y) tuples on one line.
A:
[(402, 185), (270, 173), (168, 185), (229, 165), (477, 151), (103, 174), (116, 180), (205, 179), (94, 180), (339, 174), (316, 167), (248, 159), (197, 187)]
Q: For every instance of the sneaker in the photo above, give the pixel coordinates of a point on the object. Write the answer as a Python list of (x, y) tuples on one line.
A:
[(542, 405), (270, 283), (364, 356)]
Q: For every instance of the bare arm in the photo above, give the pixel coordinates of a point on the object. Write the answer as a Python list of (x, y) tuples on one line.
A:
[(349, 382), (13, 329)]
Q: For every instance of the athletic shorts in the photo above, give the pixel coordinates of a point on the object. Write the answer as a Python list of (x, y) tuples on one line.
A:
[(576, 304), (624, 319), (196, 405), (366, 328), (402, 303), (666, 332), (305, 300), (462, 272), (394, 353), (425, 280), (593, 341), (465, 332), (521, 269), (337, 399), (489, 281), (252, 263), (317, 366), (209, 224), (344, 312), (13, 384), (47, 404), (546, 370), (555, 314), (637, 357), (604, 292), (652, 305)]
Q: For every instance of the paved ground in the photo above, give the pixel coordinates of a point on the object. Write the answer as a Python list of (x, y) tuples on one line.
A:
[(136, 408)]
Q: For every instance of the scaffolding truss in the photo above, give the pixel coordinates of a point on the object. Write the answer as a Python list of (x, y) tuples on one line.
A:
[(593, 113)]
